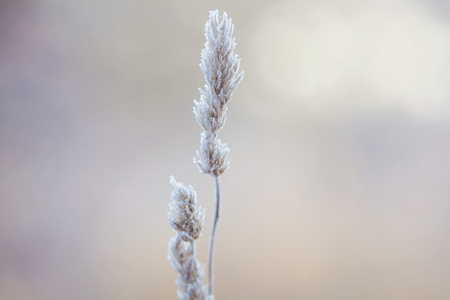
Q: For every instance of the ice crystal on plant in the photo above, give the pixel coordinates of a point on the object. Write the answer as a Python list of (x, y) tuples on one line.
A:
[(191, 274), (220, 67), (185, 216)]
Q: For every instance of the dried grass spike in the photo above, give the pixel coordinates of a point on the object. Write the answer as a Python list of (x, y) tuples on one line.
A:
[(191, 274), (185, 216)]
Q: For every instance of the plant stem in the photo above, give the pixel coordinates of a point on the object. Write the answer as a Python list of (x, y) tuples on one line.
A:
[(213, 234)]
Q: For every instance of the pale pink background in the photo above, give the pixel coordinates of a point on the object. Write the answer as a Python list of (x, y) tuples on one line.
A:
[(339, 135)]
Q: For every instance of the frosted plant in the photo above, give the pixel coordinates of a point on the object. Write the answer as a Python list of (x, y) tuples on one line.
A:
[(190, 280), (220, 66), (187, 219)]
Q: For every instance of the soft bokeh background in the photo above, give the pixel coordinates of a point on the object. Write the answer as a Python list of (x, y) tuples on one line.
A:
[(339, 135)]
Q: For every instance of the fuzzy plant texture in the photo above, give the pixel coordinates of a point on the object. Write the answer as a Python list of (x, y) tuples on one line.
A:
[(187, 219), (220, 66)]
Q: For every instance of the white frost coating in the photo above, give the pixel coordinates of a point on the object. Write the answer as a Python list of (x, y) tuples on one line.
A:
[(191, 274), (185, 216), (220, 67)]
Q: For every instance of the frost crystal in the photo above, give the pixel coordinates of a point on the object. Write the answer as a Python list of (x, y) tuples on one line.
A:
[(220, 67), (190, 280), (184, 216)]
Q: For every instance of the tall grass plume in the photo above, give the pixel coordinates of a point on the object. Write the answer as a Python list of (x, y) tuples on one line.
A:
[(220, 66)]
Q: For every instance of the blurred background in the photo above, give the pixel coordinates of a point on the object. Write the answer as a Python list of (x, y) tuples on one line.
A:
[(339, 136)]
